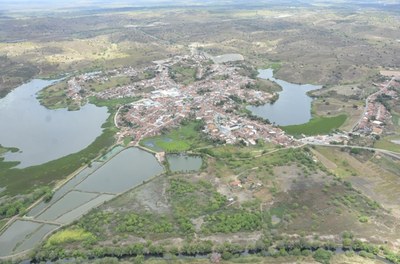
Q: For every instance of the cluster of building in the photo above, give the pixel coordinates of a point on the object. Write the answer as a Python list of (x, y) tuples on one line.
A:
[(336, 138), (217, 99), (376, 115), (73, 90)]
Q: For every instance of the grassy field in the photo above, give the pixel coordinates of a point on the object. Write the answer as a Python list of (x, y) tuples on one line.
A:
[(376, 176), (180, 139), (112, 82), (54, 96), (316, 126), (385, 143), (183, 74)]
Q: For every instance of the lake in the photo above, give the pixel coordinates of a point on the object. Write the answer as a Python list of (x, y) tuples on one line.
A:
[(41, 134), (293, 106)]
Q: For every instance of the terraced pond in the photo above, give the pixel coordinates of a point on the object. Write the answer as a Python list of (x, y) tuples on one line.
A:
[(116, 172)]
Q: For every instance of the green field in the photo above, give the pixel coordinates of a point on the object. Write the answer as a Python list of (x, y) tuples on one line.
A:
[(180, 139), (316, 126), (112, 103)]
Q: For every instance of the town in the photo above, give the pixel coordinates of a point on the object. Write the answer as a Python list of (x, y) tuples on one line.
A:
[(217, 97), (376, 114)]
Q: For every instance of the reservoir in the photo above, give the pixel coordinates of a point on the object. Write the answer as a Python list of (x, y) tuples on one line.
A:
[(126, 170), (293, 106), (118, 171), (41, 134), (184, 163)]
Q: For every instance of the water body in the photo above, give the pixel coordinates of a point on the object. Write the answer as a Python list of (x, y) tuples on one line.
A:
[(41, 134), (128, 169), (183, 162), (64, 189), (116, 172), (293, 106), (22, 235)]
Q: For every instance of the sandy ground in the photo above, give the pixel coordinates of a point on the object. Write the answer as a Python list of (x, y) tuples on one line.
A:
[(390, 73)]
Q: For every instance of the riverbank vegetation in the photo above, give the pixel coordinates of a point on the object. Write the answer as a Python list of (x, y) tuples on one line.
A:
[(205, 251), (4, 150)]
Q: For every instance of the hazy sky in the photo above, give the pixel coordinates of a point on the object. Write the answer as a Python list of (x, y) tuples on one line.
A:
[(23, 5)]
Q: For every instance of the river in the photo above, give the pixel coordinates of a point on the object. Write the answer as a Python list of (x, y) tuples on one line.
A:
[(293, 106)]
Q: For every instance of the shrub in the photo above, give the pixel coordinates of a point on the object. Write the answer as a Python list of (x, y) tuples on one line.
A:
[(322, 256)]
